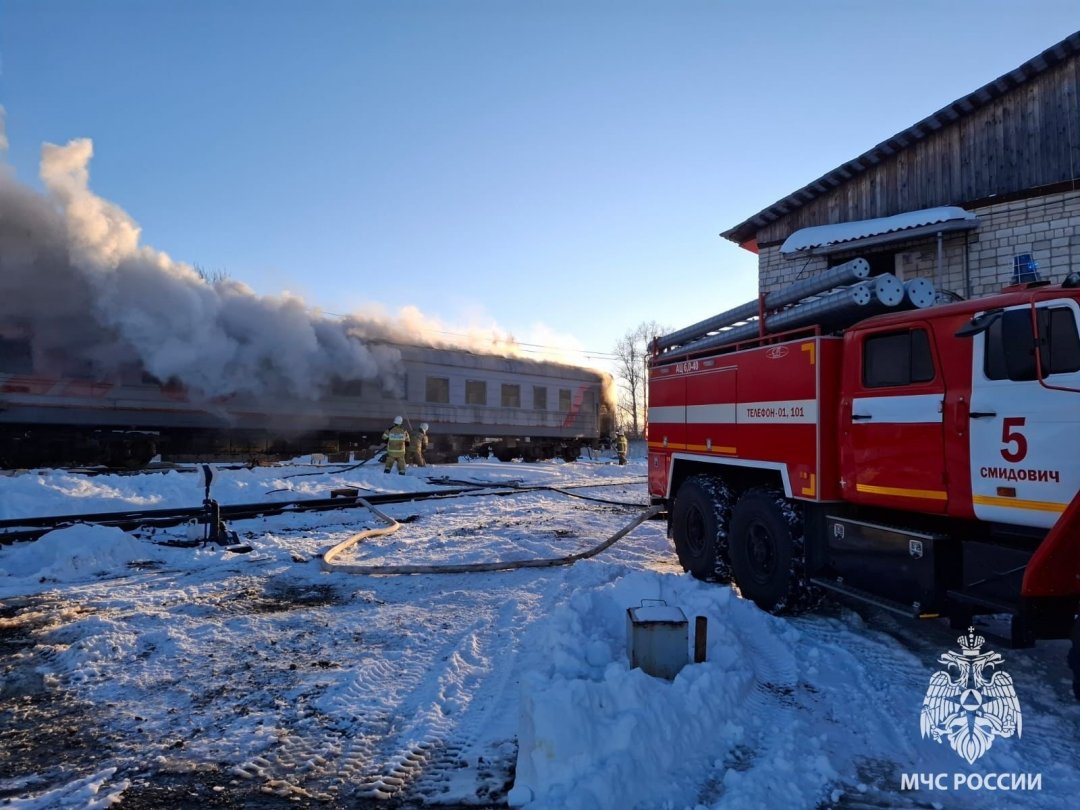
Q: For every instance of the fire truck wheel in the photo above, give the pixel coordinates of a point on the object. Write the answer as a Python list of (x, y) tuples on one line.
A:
[(762, 543), (702, 507), (1074, 657)]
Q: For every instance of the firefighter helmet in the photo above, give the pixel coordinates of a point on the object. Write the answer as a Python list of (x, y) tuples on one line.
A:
[(397, 420)]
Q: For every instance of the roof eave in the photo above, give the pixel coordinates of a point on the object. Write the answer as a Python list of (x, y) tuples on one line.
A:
[(1052, 56)]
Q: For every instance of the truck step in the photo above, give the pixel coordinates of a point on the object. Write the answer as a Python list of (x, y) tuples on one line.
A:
[(991, 605), (908, 611)]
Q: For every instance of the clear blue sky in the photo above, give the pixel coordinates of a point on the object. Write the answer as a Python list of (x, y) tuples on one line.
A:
[(564, 165)]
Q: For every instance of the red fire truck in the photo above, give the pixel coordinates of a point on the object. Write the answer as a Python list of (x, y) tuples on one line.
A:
[(925, 460)]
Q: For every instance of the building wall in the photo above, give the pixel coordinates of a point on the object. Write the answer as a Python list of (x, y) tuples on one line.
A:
[(972, 264), (1028, 138)]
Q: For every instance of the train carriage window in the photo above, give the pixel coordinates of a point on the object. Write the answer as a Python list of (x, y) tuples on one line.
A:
[(475, 392), (897, 358), (15, 356), (346, 388), (437, 389), (539, 398), (397, 390), (511, 396), (564, 400), (1010, 351)]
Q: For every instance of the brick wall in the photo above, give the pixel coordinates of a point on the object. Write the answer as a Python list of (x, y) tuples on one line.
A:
[(1047, 228)]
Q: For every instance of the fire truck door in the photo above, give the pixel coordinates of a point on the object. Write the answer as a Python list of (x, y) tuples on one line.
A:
[(893, 451), (1025, 432)]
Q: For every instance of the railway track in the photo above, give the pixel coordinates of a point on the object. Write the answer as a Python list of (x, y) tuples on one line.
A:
[(27, 529)]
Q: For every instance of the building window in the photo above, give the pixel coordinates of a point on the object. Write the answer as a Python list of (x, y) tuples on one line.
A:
[(564, 400), (511, 396), (897, 358), (1010, 351), (475, 392), (539, 398), (437, 389)]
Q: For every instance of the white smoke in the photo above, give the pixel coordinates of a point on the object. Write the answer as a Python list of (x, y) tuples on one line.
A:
[(77, 280), (3, 129)]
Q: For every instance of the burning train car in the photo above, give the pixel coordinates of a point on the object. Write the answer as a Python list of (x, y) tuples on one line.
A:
[(112, 352), (474, 404)]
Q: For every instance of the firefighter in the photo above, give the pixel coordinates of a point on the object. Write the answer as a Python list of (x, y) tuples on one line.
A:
[(622, 446), (397, 439), (420, 445)]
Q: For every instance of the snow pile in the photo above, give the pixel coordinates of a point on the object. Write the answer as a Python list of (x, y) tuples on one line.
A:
[(784, 713), (76, 553), (595, 733)]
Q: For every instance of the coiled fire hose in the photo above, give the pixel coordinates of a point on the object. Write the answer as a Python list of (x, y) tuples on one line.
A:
[(328, 563)]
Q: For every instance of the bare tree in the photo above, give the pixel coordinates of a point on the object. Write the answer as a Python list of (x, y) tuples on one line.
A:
[(211, 277), (631, 373)]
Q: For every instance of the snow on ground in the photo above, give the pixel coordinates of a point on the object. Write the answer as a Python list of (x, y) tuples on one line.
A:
[(137, 675)]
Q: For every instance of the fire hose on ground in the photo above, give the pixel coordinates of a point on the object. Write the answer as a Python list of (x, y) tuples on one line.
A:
[(392, 526)]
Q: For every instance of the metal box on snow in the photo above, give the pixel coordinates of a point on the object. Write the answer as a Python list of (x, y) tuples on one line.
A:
[(657, 639)]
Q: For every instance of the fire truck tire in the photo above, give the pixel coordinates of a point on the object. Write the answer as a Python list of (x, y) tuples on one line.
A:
[(1074, 657), (765, 544), (698, 518)]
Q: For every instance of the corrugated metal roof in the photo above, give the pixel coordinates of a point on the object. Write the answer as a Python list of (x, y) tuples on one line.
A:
[(1054, 55), (823, 235)]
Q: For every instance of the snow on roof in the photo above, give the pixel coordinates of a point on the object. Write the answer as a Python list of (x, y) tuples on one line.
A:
[(823, 235)]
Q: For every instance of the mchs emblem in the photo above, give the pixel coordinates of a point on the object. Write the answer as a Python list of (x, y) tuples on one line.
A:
[(967, 704)]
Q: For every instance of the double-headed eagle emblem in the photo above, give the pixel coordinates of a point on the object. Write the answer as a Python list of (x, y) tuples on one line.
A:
[(965, 706)]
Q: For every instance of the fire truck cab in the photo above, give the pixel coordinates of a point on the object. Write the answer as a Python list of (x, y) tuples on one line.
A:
[(927, 461)]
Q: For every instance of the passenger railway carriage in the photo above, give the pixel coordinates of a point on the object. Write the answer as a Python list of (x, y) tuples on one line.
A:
[(473, 403)]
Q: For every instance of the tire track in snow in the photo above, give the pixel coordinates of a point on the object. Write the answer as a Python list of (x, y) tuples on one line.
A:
[(467, 756), (414, 713), (329, 743), (494, 701)]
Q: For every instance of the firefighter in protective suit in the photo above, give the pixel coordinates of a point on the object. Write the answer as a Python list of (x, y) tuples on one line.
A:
[(397, 439), (622, 447), (420, 445)]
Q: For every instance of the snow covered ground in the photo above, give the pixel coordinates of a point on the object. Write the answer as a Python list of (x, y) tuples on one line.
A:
[(137, 675)]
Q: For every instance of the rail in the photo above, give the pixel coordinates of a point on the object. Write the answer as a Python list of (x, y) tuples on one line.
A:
[(25, 529)]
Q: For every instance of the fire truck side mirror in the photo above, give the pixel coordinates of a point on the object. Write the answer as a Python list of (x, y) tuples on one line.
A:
[(979, 324)]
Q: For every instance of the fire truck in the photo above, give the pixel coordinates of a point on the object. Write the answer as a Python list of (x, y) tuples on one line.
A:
[(925, 459)]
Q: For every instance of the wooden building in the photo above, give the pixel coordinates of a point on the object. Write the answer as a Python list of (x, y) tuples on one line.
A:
[(967, 197)]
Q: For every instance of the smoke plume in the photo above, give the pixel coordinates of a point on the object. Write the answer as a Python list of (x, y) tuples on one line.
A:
[(76, 280)]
